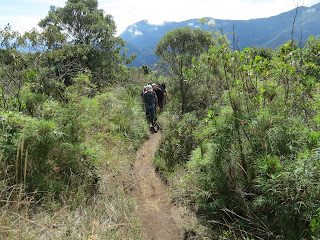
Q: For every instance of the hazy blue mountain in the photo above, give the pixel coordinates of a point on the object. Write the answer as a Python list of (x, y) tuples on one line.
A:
[(142, 37)]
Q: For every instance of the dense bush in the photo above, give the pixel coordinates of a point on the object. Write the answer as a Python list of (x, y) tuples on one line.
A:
[(49, 153), (253, 170), (178, 142), (288, 194), (42, 154)]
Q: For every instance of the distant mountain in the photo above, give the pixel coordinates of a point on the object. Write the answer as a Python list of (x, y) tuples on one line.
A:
[(143, 37)]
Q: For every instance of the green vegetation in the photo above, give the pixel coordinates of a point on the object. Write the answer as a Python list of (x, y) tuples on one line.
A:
[(70, 123), (73, 161), (245, 156), (240, 139)]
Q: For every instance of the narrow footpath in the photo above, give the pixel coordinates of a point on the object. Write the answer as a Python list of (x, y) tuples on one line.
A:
[(161, 219)]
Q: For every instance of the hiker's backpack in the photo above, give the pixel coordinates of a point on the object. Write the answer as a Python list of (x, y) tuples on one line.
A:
[(149, 99), (162, 86)]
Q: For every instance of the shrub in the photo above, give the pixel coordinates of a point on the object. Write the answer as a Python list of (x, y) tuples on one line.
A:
[(179, 141), (38, 154), (288, 199)]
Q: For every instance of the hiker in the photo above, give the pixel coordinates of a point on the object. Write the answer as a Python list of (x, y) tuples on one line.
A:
[(161, 94), (141, 94), (150, 103), (144, 90)]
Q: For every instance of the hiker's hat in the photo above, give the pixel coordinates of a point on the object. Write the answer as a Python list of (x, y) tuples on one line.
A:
[(149, 88), (153, 85)]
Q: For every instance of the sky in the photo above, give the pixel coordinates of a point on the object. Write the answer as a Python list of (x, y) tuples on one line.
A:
[(23, 15)]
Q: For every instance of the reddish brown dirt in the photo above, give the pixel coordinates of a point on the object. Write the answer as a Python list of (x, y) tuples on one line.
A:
[(160, 218)]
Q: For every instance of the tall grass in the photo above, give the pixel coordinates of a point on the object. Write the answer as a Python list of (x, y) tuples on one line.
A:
[(66, 173)]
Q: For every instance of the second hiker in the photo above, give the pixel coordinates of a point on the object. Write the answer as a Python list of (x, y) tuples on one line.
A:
[(150, 102), (161, 94)]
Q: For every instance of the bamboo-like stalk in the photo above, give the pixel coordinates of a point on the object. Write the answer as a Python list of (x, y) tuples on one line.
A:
[(21, 153), (25, 166), (19, 158), (17, 162)]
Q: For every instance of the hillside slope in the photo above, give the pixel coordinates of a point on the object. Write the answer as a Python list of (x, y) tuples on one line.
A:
[(142, 37)]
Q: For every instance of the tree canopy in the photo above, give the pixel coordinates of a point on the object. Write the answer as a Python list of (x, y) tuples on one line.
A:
[(176, 50), (83, 25)]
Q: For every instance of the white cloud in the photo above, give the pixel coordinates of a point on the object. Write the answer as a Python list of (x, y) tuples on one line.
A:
[(27, 14), (137, 33), (156, 23), (312, 10), (20, 23), (310, 3), (211, 22), (57, 3)]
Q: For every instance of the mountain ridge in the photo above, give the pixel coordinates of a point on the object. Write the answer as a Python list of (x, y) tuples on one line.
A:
[(273, 31)]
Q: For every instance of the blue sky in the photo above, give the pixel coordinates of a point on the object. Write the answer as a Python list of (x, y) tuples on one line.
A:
[(23, 15)]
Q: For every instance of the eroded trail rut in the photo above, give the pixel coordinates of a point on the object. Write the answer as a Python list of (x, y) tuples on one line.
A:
[(161, 219)]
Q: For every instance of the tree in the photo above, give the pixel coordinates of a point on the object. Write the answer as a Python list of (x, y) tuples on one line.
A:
[(83, 25), (176, 50), (145, 69), (11, 69)]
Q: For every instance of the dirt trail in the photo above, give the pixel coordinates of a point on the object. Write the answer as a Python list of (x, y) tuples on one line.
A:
[(161, 219)]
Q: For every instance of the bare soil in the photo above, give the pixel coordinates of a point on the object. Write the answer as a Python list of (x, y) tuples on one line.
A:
[(160, 218)]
